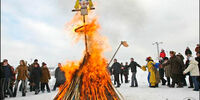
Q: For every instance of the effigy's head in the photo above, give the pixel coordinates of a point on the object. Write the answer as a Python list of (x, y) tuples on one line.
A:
[(83, 2)]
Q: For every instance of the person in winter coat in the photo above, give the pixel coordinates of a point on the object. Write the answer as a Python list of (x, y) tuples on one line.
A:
[(35, 76), (60, 77), (45, 77), (183, 80), (7, 80), (162, 54), (133, 65), (167, 71), (161, 72), (152, 72), (12, 82), (188, 52), (30, 67), (187, 63), (126, 72), (197, 58), (116, 69), (197, 49), (194, 72), (2, 83), (22, 75), (122, 72), (177, 67)]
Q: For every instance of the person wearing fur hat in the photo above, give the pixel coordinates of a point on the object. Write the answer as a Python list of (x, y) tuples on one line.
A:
[(152, 72), (177, 67)]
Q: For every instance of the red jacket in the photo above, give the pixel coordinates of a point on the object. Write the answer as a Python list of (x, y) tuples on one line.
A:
[(162, 55)]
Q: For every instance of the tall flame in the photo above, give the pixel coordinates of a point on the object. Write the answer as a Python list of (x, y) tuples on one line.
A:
[(88, 79)]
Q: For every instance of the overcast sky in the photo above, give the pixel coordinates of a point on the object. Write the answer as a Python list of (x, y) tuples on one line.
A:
[(36, 28)]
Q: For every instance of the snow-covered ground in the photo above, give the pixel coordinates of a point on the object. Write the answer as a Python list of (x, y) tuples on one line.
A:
[(143, 92)]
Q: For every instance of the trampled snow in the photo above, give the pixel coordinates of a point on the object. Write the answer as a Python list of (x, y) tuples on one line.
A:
[(143, 92)]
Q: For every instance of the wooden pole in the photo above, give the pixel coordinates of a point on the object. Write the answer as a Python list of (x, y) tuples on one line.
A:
[(114, 54), (85, 32)]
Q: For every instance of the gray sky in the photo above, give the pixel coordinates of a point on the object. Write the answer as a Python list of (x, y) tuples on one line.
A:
[(36, 29)]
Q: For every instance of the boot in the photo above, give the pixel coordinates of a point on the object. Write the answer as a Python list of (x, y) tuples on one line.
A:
[(168, 84), (15, 93), (164, 82), (180, 85), (23, 94), (190, 87), (172, 85)]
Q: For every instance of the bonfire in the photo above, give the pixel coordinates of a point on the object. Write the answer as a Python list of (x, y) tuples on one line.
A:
[(88, 79)]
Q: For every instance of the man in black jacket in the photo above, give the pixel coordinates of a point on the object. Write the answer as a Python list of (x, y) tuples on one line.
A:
[(30, 70), (6, 68), (35, 76), (116, 69), (133, 65)]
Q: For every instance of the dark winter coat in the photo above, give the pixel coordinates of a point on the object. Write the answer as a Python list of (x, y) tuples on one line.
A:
[(45, 75), (133, 65), (122, 69), (187, 63), (31, 67), (35, 74), (176, 65), (2, 74), (180, 56), (7, 71), (116, 67), (198, 60), (22, 72), (60, 75), (188, 51), (126, 70)]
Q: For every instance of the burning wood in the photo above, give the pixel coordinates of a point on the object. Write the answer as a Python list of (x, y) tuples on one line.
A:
[(88, 79)]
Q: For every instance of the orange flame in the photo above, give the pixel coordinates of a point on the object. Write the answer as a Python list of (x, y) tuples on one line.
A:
[(95, 79)]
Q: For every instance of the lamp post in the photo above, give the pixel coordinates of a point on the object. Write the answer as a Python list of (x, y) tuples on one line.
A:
[(157, 45)]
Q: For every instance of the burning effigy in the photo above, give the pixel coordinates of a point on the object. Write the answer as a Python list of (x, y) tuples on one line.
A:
[(87, 79)]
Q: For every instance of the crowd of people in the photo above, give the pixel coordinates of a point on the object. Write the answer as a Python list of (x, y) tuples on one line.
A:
[(37, 77), (174, 68), (34, 75)]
